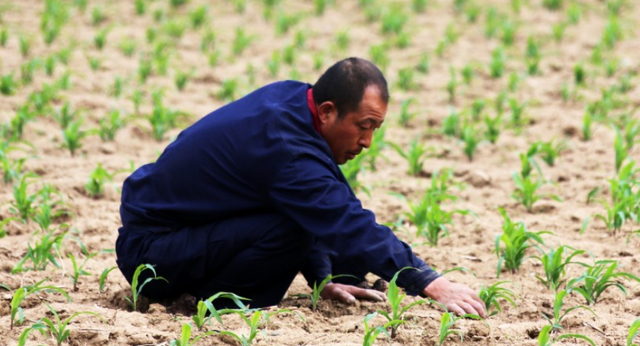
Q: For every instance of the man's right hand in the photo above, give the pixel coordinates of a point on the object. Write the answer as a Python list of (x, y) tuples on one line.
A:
[(457, 298), (349, 293)]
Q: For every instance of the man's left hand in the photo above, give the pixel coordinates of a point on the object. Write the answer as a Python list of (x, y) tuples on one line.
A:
[(348, 293)]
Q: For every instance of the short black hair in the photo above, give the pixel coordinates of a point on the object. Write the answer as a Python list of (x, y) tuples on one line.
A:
[(344, 84)]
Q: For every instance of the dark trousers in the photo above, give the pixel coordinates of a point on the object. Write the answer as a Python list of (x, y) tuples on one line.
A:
[(256, 257)]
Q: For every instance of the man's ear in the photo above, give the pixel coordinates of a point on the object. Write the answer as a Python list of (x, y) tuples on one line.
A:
[(326, 111)]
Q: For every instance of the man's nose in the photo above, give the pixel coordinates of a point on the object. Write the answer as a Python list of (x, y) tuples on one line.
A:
[(365, 140)]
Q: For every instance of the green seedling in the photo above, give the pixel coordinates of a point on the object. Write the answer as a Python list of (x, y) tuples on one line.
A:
[(228, 90), (612, 33), (471, 139), (23, 292), (472, 12), (208, 40), (351, 169), (273, 65), (241, 41), (78, 269), (140, 7), (379, 55), (493, 20), (498, 60), (395, 298), (320, 6), (405, 115), (4, 37), (95, 186), (468, 73), (500, 101), (128, 47), (11, 169), (508, 29), (175, 28), (492, 294), (206, 306), (94, 63), (27, 70), (555, 266), (514, 80), (598, 278), (574, 13), (447, 322), (163, 119), (551, 150), (18, 122), (492, 128), (452, 85), (371, 334), (532, 56), (378, 144), (579, 74), (135, 290), (527, 161), (419, 6), (58, 328), (97, 16), (145, 69), (621, 149), (254, 322), (314, 297), (25, 46), (477, 107), (559, 313), (72, 136), (558, 30), (393, 20), (181, 79), (526, 191), (64, 82), (116, 88), (8, 85), (41, 254), (22, 204), (553, 4), (544, 338), (415, 155), (516, 241), (100, 38), (178, 3), (186, 339), (452, 124), (50, 65), (424, 63), (65, 115), (46, 210), (103, 277), (110, 125), (518, 120), (587, 124), (405, 79), (198, 16), (289, 55), (633, 332)]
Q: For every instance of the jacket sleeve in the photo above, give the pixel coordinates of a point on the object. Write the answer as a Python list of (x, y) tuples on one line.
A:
[(309, 191)]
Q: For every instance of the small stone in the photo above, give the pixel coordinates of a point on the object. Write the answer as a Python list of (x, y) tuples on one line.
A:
[(479, 179), (107, 148)]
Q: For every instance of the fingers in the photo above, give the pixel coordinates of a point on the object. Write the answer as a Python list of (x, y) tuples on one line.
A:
[(368, 294)]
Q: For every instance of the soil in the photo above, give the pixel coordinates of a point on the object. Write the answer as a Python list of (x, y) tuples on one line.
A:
[(487, 180)]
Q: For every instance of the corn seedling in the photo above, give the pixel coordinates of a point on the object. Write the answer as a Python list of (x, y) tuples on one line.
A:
[(25, 46), (374, 151), (103, 277), (598, 278), (579, 74), (496, 66), (452, 85), (492, 24), (492, 294), (621, 149), (452, 124), (574, 13), (27, 70), (41, 254), (424, 63), (58, 328), (22, 203), (72, 136), (559, 313), (94, 63), (553, 4), (405, 114), (186, 338), (415, 155), (97, 16), (23, 292), (544, 338), (532, 56), (314, 297), (241, 41), (555, 266), (405, 79), (11, 169), (395, 298), (8, 85), (50, 65), (128, 47), (78, 269), (135, 290), (289, 55), (612, 33), (633, 332), (65, 115), (587, 123), (393, 20), (471, 139), (467, 74), (254, 322), (228, 90), (4, 37), (550, 150), (100, 38), (351, 169), (508, 29), (45, 213), (110, 125), (447, 322), (526, 191), (492, 128), (558, 30), (379, 55), (206, 306), (477, 107), (516, 240), (518, 119), (472, 12), (181, 79)]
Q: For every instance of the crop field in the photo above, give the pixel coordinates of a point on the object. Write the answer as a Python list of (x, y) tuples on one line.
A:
[(507, 160)]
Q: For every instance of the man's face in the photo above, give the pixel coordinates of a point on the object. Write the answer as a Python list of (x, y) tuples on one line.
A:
[(349, 135)]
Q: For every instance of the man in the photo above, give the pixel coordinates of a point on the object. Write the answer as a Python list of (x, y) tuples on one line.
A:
[(252, 194)]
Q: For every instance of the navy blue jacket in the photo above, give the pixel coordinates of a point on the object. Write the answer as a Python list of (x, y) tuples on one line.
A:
[(262, 154)]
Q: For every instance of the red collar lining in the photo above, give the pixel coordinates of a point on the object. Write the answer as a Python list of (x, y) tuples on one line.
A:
[(313, 109)]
